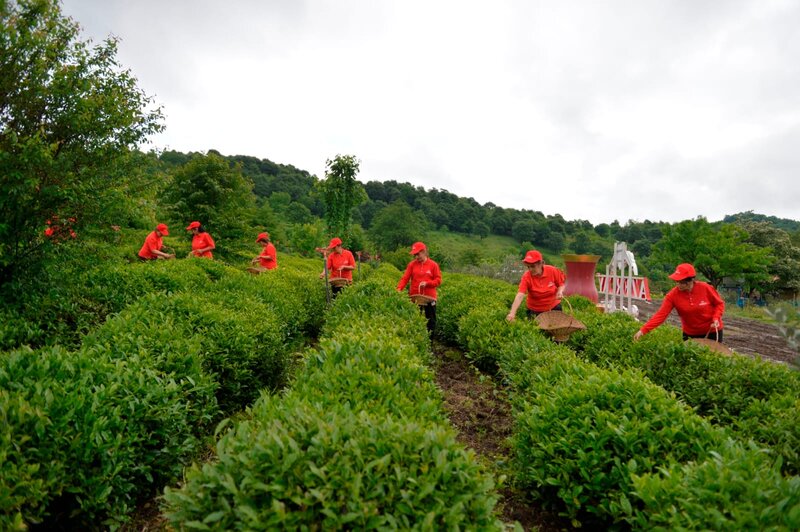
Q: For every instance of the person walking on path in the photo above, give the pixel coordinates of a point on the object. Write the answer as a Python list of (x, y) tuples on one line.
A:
[(153, 244), (542, 285), (699, 307), (202, 243), (424, 275), (268, 258), (340, 264)]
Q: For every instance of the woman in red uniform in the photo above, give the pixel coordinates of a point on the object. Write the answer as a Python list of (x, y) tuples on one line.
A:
[(340, 264), (542, 284), (424, 275), (202, 243), (151, 249), (699, 307), (268, 258)]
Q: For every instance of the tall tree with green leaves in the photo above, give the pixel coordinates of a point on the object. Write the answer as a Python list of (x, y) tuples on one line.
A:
[(397, 225), (214, 192), (341, 193), (69, 116), (716, 250), (785, 268)]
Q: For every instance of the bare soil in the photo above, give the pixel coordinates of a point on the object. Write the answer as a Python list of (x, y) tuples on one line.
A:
[(479, 410), (748, 337)]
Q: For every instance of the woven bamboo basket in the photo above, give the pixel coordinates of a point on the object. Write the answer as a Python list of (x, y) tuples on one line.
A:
[(715, 346), (339, 281), (255, 270), (559, 325), (421, 299)]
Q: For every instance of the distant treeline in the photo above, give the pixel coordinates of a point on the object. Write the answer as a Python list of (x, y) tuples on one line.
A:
[(768, 247)]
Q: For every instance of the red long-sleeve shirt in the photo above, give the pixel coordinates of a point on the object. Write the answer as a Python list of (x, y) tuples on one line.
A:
[(418, 272), (152, 242), (337, 260), (201, 241), (269, 251), (697, 309)]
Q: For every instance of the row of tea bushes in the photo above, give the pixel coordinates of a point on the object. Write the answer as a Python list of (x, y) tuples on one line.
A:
[(76, 297), (85, 433), (359, 442), (757, 399), (609, 446), (68, 301), (245, 327)]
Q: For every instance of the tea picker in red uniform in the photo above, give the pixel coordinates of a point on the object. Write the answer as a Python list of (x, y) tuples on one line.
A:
[(340, 265), (542, 285), (699, 307), (153, 244), (424, 275), (202, 243), (268, 258)]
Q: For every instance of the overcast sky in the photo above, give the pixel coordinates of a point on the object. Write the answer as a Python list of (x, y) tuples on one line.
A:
[(596, 110)]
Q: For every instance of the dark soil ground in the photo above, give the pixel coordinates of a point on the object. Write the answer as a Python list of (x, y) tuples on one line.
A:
[(479, 410)]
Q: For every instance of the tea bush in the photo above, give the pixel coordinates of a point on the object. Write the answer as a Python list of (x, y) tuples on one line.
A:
[(83, 431), (737, 488), (86, 433), (753, 397), (297, 465), (359, 441), (461, 293), (584, 435)]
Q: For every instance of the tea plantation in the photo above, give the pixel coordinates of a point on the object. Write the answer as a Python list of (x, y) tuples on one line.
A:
[(245, 402)]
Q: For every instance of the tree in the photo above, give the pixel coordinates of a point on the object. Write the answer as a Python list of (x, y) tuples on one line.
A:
[(280, 201), (368, 210), (209, 190), (785, 269), (305, 238), (716, 250), (341, 193), (603, 230), (555, 241), (481, 229), (581, 242), (523, 230), (501, 221), (397, 225), (69, 116)]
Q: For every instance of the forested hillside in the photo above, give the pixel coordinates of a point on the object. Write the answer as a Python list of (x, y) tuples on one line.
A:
[(746, 250)]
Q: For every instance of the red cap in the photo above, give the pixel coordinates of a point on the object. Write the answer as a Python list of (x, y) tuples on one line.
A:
[(262, 236), (683, 271), (417, 247), (193, 225), (334, 242), (162, 228), (532, 257)]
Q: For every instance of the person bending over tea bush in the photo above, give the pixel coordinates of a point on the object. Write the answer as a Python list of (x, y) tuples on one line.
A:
[(699, 307)]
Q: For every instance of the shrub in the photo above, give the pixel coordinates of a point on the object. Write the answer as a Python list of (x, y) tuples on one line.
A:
[(583, 435), (737, 488), (296, 465), (359, 441), (746, 394), (87, 432)]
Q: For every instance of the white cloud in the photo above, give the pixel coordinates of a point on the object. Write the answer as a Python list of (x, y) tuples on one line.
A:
[(600, 111)]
